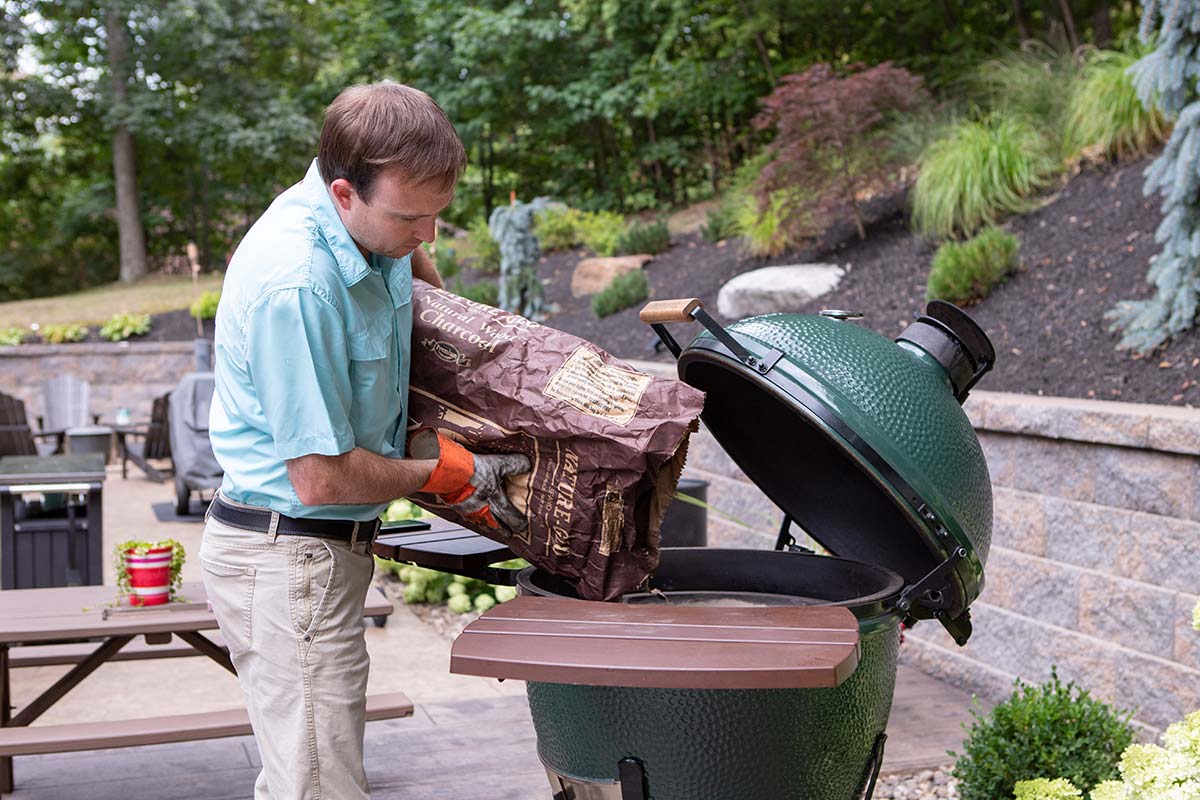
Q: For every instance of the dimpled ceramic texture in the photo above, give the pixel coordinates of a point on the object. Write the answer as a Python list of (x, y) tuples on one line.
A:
[(900, 403), (728, 744)]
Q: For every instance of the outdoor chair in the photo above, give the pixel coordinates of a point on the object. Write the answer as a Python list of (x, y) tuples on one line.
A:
[(16, 437), (66, 401), (154, 442)]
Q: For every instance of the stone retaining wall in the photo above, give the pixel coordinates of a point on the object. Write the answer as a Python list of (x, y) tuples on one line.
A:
[(122, 375), (1095, 561)]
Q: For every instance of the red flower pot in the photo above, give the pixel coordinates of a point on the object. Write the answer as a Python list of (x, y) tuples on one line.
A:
[(149, 576)]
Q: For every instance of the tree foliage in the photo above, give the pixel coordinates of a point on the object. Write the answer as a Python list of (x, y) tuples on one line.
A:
[(826, 148), (1166, 79), (617, 105)]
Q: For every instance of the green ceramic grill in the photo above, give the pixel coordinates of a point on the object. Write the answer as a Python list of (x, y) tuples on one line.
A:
[(862, 442)]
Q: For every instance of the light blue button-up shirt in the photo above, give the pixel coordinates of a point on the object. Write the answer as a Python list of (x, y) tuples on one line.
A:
[(312, 352)]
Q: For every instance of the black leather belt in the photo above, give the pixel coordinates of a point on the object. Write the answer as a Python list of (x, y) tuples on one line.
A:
[(259, 519)]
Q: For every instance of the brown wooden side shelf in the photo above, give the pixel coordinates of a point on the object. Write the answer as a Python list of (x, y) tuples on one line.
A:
[(554, 640), (437, 544)]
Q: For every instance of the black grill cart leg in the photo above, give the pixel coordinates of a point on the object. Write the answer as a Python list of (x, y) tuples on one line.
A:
[(874, 765)]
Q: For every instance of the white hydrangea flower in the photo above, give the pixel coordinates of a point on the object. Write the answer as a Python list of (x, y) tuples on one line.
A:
[(1110, 790), (1046, 789)]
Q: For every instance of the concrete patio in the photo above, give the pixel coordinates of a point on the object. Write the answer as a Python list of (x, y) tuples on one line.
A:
[(470, 738)]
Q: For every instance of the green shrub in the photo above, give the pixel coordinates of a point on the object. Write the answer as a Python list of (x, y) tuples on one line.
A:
[(722, 220), (486, 292), (11, 337), (625, 290), (1034, 84), (60, 334), (205, 306), (122, 326), (982, 170), (558, 228), (1105, 111), (762, 229), (600, 230), (650, 238), (446, 261), (965, 271), (1049, 729), (487, 250)]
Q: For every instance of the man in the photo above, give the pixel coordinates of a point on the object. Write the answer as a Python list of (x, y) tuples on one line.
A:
[(309, 423)]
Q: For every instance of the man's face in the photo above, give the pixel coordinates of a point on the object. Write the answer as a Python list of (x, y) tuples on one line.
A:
[(398, 217)]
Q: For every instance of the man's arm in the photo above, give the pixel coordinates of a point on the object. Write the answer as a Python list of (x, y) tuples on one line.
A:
[(424, 268), (358, 477)]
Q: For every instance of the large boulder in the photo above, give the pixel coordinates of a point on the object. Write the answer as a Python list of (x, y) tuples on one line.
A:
[(772, 289), (595, 274)]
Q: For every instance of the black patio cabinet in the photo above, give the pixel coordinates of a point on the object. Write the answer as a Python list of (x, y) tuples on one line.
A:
[(57, 541)]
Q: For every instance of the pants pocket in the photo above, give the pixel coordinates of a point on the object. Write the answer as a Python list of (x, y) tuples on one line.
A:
[(230, 589), (314, 569)]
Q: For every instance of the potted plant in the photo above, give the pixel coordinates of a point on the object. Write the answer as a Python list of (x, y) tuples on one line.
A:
[(148, 573)]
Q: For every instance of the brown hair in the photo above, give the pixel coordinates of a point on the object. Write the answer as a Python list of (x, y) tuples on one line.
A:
[(369, 127)]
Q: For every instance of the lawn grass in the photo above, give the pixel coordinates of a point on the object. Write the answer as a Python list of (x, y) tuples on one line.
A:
[(152, 295)]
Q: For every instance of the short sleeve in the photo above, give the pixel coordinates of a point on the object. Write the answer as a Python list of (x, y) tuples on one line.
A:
[(296, 357)]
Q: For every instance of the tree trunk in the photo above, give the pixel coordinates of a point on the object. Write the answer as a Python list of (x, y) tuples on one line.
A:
[(760, 45), (129, 218), (659, 184), (1102, 24), (1069, 23), (486, 156), (1019, 16)]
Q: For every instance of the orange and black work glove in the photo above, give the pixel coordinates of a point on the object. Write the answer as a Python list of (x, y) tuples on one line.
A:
[(470, 483)]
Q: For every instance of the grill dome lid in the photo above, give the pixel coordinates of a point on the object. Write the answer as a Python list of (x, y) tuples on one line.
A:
[(861, 441)]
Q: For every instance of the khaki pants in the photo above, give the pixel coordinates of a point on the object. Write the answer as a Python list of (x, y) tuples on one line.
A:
[(290, 609)]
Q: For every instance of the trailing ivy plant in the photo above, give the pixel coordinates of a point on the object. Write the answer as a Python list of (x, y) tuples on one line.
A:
[(140, 547)]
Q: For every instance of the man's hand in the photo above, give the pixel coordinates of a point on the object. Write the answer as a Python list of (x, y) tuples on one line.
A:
[(473, 484)]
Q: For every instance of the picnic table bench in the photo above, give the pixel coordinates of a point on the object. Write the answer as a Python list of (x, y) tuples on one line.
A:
[(76, 626)]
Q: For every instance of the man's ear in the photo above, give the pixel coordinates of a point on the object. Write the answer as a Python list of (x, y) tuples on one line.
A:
[(343, 193)]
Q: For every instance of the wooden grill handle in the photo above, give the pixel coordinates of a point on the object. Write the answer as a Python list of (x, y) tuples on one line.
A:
[(670, 310)]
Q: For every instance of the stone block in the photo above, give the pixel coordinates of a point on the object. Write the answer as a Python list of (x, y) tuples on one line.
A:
[(722, 533), (999, 451), (1085, 534), (1160, 551), (706, 454), (1019, 521), (948, 664), (1133, 615), (1033, 587), (593, 275), (1187, 638), (1142, 480), (1175, 430), (748, 506), (1159, 692), (1067, 418), (773, 289), (1058, 468)]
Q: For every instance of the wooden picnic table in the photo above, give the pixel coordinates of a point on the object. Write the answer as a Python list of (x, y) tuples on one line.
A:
[(83, 614)]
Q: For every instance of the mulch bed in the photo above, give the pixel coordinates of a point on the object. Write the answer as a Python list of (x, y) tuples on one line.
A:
[(1085, 249), (1081, 252)]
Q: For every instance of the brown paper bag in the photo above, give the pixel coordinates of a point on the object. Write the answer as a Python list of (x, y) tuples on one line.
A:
[(607, 443)]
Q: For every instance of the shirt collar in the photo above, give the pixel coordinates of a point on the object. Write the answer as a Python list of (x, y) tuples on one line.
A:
[(350, 259)]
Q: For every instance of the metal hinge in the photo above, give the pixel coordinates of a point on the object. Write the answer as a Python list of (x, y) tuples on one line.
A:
[(928, 591)]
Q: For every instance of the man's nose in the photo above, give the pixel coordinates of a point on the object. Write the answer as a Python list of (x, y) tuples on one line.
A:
[(427, 230)]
